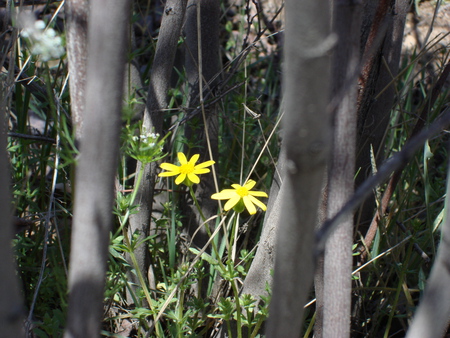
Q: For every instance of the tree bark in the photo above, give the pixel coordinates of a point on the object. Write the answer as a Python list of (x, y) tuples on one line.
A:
[(161, 72), (432, 316), (11, 305), (307, 128), (259, 273), (76, 28), (97, 167), (382, 36), (202, 34), (338, 252)]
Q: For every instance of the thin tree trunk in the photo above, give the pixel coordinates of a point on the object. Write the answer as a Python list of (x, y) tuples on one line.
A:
[(306, 140), (11, 304), (94, 186), (432, 317), (338, 252), (76, 28), (161, 72), (259, 273), (202, 34)]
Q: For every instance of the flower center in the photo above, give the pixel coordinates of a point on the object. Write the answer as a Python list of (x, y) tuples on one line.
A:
[(187, 168), (242, 191)]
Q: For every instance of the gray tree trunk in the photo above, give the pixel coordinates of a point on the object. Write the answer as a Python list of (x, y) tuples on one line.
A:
[(259, 273), (432, 316), (307, 129), (338, 252), (97, 166), (169, 34), (11, 304), (76, 28), (202, 34)]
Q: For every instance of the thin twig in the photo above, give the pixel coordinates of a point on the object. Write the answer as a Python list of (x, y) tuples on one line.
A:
[(32, 137)]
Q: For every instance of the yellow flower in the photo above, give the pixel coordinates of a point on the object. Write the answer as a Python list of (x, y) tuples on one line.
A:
[(240, 197), (187, 171)]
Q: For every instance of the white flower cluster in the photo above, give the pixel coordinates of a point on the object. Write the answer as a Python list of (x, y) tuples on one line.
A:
[(149, 139), (145, 147), (44, 42)]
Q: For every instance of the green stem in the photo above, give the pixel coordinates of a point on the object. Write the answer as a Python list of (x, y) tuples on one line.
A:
[(126, 239), (238, 308), (198, 207), (249, 321), (233, 282), (229, 328), (123, 220), (208, 230), (180, 314), (256, 329), (140, 277)]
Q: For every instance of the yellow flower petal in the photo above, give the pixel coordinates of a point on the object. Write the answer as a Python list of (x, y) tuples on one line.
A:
[(180, 179), (244, 193), (201, 171), (249, 185), (249, 205), (258, 193), (182, 158), (232, 202), (170, 167), (193, 178), (167, 174), (257, 202), (225, 194), (204, 164), (186, 169), (194, 159)]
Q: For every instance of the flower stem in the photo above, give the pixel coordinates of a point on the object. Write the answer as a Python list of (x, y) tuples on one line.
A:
[(208, 230), (126, 239), (233, 282), (198, 207), (238, 308), (123, 220)]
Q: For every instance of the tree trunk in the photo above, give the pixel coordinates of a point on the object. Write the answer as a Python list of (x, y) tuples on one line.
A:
[(432, 316), (338, 252), (306, 141), (259, 273), (202, 35), (99, 146), (161, 72), (382, 36), (11, 305), (76, 27)]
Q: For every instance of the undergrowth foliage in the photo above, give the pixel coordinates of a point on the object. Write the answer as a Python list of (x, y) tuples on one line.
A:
[(194, 291)]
